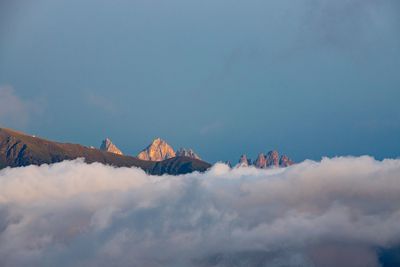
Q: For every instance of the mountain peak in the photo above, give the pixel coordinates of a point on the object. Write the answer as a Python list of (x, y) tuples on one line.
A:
[(244, 161), (285, 161), (108, 146), (158, 140), (187, 152), (158, 150), (273, 159), (261, 161)]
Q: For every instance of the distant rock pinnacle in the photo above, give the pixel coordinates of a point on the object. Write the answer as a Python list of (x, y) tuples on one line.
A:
[(270, 160), (243, 161), (285, 161), (158, 150), (273, 159), (261, 161), (184, 152), (108, 146)]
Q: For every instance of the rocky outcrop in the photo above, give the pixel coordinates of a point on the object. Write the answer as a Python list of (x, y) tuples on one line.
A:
[(244, 161), (228, 162), (261, 161), (270, 160), (187, 152), (273, 159), (285, 161), (19, 149), (158, 150), (108, 146)]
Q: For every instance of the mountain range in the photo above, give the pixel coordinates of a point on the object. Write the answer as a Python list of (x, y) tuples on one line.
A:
[(158, 150), (268, 160), (20, 149)]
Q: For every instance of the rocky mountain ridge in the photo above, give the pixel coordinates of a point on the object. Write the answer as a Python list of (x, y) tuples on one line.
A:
[(264, 161), (18, 149), (187, 152), (160, 150)]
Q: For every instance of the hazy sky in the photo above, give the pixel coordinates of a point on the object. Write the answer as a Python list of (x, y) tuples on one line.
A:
[(310, 78)]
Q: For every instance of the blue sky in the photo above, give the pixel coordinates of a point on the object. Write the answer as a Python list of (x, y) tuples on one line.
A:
[(310, 78)]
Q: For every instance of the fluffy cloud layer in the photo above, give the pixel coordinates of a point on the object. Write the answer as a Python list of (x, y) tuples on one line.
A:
[(337, 212)]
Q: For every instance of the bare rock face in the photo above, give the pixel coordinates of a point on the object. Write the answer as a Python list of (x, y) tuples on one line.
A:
[(108, 146), (158, 150), (243, 161), (261, 161), (285, 161), (185, 152), (228, 163), (273, 159)]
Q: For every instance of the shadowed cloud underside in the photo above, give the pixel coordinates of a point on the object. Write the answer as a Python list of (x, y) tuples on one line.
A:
[(337, 212)]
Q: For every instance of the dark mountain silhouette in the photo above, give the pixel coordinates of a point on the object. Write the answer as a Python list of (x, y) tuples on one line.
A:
[(20, 149)]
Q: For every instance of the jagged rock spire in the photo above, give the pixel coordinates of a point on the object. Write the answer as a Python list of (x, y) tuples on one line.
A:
[(187, 152), (108, 146), (261, 161), (273, 159), (285, 161), (243, 161)]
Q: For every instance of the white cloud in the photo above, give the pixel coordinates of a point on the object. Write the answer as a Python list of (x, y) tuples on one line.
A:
[(336, 212)]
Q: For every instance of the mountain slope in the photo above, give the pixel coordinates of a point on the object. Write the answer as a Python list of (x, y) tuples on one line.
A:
[(179, 165), (19, 149)]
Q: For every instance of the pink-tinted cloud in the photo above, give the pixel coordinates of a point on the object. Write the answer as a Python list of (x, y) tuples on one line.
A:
[(336, 212)]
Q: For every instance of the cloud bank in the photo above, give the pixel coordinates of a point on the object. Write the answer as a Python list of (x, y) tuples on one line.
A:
[(337, 212)]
